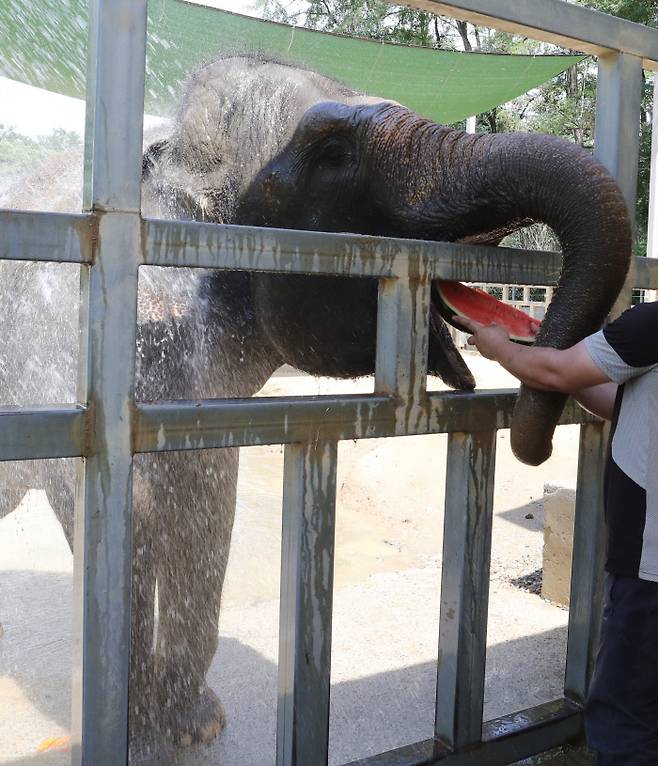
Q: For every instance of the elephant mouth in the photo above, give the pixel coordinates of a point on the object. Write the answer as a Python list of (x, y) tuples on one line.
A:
[(451, 300)]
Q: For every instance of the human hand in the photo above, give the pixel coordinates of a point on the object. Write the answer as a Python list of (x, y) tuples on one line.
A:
[(490, 340)]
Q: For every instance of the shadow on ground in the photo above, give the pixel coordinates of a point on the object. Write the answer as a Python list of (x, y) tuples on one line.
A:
[(371, 714)]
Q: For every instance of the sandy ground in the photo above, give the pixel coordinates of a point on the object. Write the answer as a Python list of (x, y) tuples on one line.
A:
[(388, 560)]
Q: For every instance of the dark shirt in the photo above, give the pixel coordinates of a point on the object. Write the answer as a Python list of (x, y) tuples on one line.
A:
[(626, 351)]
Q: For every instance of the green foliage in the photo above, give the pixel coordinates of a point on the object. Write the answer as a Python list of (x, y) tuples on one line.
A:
[(564, 107), (640, 11), (18, 151), (375, 19)]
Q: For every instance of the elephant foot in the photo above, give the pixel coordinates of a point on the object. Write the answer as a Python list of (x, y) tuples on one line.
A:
[(151, 750), (202, 721)]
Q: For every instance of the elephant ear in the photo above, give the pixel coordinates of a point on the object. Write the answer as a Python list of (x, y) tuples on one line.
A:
[(151, 157)]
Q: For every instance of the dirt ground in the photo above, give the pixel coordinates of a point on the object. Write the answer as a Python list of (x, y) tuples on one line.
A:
[(387, 579)]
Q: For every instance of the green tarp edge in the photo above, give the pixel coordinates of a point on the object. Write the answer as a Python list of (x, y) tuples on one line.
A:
[(44, 44)]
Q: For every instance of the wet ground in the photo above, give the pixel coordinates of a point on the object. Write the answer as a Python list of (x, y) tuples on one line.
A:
[(388, 559)]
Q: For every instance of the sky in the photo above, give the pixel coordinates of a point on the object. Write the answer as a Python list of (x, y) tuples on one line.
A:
[(35, 112)]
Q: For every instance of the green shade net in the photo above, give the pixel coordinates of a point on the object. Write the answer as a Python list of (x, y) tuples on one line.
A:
[(44, 44)]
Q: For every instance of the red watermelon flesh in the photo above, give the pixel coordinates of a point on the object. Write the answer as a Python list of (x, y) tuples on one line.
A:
[(476, 304)]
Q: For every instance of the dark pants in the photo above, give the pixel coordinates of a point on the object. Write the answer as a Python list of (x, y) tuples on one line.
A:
[(621, 719)]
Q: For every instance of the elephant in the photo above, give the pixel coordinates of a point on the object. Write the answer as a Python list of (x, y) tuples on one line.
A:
[(261, 142)]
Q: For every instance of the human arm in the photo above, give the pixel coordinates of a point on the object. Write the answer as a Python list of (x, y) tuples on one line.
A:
[(591, 370), (570, 370), (548, 369), (599, 400)]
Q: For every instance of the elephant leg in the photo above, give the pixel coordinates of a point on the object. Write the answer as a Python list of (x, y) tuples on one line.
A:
[(58, 480), (197, 512), (16, 478), (55, 477), (149, 745)]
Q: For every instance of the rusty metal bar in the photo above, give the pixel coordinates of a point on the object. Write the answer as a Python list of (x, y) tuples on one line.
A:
[(617, 139), (307, 570), (28, 236), (48, 237), (505, 740), (465, 587), (52, 432), (204, 245), (115, 105), (618, 111), (284, 420), (103, 533), (103, 523), (42, 432), (587, 560), (402, 347)]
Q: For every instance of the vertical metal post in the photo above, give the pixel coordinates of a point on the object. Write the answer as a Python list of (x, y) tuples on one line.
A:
[(587, 566), (652, 234), (617, 140), (465, 587), (103, 538), (115, 104), (402, 347), (307, 571)]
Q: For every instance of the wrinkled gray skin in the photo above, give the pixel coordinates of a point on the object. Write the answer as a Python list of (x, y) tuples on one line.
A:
[(265, 144)]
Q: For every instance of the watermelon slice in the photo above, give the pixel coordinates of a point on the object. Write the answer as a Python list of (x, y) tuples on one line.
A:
[(476, 304)]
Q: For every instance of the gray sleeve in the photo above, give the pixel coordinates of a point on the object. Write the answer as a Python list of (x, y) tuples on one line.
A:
[(609, 361)]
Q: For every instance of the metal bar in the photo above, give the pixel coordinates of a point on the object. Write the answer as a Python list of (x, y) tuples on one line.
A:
[(618, 112), (205, 245), (652, 233), (61, 237), (283, 420), (103, 535), (465, 587), (61, 432), (115, 104), (307, 567), (587, 563), (617, 139), (28, 236), (504, 740), (42, 432), (103, 529), (555, 21), (402, 347)]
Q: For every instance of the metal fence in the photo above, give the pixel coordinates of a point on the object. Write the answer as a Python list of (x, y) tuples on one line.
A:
[(112, 241)]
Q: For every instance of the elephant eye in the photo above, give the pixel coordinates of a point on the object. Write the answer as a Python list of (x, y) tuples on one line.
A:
[(335, 152)]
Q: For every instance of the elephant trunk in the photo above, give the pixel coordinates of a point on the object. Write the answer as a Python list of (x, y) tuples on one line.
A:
[(485, 186)]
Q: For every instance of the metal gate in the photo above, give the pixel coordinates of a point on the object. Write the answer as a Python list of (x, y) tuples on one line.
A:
[(112, 241)]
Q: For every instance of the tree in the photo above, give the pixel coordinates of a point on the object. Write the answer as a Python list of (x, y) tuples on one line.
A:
[(18, 152), (566, 106)]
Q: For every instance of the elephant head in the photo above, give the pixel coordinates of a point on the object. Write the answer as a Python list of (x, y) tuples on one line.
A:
[(383, 170)]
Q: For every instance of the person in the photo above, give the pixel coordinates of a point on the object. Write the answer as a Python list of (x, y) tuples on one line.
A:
[(614, 374)]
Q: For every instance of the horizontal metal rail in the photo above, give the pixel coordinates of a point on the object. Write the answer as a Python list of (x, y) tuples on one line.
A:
[(555, 21), (249, 422), (172, 243), (59, 237), (70, 238), (504, 740), (53, 432), (42, 432)]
